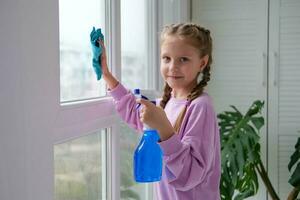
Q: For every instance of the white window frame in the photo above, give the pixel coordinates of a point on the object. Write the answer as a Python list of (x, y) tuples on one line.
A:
[(73, 114), (77, 119)]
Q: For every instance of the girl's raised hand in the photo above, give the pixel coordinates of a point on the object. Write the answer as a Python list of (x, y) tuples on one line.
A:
[(103, 64), (110, 80), (156, 118)]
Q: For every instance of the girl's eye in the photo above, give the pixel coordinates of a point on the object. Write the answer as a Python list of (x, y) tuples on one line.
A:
[(184, 59), (166, 59)]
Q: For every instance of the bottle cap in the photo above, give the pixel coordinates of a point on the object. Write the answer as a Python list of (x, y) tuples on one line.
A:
[(136, 91)]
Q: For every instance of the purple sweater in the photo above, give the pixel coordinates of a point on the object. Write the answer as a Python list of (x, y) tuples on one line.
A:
[(191, 158)]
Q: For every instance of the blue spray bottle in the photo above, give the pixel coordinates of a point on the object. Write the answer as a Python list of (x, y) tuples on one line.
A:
[(148, 154)]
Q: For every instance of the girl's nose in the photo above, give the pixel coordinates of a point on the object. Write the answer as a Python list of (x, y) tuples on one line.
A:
[(174, 66)]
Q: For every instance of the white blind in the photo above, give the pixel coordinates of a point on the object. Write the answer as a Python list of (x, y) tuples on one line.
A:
[(289, 98), (289, 88), (237, 29)]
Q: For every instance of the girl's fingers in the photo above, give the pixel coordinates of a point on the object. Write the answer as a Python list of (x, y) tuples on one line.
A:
[(144, 102), (141, 117), (145, 108), (142, 111), (101, 43)]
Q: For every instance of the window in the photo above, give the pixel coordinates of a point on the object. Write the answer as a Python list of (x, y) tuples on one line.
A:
[(78, 82), (81, 160), (129, 141), (134, 39), (76, 20), (137, 72)]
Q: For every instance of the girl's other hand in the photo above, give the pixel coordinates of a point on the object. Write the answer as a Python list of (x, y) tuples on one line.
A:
[(156, 118)]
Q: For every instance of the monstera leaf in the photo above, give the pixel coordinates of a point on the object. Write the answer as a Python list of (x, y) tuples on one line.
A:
[(240, 151), (295, 158)]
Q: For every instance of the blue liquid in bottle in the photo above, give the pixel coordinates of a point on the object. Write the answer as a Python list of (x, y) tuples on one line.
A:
[(148, 158), (147, 155)]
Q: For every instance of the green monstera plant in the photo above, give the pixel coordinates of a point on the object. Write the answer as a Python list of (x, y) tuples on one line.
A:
[(295, 177), (241, 161), (240, 150)]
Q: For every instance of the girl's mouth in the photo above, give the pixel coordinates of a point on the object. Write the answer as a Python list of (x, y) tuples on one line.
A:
[(175, 77)]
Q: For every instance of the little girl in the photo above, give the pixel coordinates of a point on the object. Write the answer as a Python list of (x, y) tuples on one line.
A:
[(185, 118)]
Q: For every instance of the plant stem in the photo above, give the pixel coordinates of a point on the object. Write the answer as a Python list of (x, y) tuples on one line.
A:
[(264, 176), (293, 194)]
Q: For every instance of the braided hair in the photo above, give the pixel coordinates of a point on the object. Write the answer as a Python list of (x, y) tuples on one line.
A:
[(202, 41)]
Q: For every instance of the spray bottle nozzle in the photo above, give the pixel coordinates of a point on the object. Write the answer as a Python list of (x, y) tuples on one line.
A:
[(137, 93)]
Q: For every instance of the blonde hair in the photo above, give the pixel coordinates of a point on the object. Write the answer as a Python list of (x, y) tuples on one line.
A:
[(199, 38)]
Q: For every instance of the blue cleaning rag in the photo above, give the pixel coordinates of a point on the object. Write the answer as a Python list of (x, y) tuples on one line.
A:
[(97, 51)]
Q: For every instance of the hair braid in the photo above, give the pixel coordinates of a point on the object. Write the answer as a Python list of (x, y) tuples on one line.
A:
[(198, 90), (166, 95)]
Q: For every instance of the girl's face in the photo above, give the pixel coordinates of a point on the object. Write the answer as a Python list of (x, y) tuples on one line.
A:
[(180, 65)]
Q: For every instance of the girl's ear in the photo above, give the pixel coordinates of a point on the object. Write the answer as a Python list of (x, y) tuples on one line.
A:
[(204, 61)]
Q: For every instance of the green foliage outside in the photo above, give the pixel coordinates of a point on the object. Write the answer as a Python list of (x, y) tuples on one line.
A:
[(129, 140), (78, 169)]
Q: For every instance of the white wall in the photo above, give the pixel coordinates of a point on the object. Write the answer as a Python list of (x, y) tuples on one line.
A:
[(28, 66)]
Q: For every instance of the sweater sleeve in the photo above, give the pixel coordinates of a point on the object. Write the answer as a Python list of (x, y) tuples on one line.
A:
[(189, 161), (126, 106)]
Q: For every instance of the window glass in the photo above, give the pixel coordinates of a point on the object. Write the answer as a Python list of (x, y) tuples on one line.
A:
[(134, 44), (135, 74), (129, 188), (76, 20), (79, 166)]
